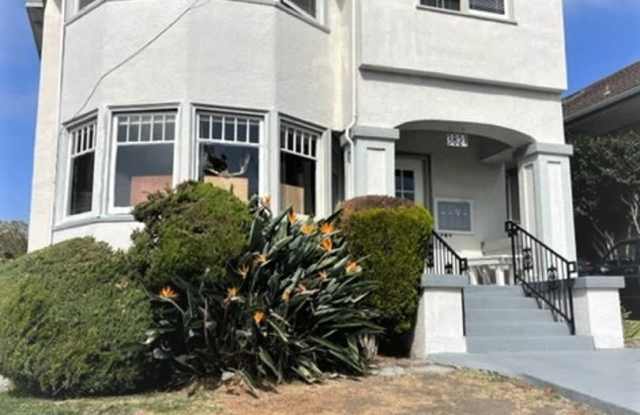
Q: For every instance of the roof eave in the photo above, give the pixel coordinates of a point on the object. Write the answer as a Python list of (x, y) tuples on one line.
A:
[(602, 104), (35, 11)]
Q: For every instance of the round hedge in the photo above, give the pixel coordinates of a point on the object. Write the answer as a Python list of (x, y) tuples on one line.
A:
[(72, 323), (190, 232), (393, 239)]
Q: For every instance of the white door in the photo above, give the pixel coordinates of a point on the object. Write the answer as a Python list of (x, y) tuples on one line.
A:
[(410, 180)]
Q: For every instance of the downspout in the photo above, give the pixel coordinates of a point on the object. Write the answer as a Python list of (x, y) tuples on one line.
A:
[(354, 98)]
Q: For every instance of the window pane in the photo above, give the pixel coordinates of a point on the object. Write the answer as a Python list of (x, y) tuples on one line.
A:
[(242, 130), (134, 129), (81, 184), (145, 132), (254, 131), (158, 127), (442, 4), (409, 182), (170, 128), (298, 183), (122, 130), (234, 168), (454, 216), (205, 131), (142, 170), (490, 6), (216, 128), (309, 6), (229, 129), (399, 181)]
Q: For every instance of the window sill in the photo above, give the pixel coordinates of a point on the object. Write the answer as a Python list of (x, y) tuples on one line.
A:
[(497, 19), (76, 222)]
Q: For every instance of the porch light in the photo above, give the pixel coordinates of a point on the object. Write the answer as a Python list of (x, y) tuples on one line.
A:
[(457, 140)]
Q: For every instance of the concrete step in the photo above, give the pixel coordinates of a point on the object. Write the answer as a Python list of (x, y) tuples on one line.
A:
[(498, 301), (506, 315), (527, 329), (512, 291), (492, 344)]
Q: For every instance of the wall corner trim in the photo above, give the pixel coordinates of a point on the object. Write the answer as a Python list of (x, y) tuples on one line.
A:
[(548, 149), (380, 133)]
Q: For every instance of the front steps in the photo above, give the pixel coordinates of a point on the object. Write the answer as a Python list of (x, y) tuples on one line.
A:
[(502, 319)]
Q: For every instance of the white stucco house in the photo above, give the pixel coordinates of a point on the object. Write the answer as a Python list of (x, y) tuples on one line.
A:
[(454, 104)]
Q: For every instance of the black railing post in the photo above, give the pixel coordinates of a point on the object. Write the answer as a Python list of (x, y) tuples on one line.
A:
[(442, 259)]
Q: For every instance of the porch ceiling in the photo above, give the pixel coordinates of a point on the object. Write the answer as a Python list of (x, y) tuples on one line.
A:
[(511, 138)]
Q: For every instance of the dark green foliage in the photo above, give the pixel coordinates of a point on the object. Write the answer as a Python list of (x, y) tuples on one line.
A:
[(13, 240), (394, 241), (71, 323), (606, 190), (292, 307), (189, 230)]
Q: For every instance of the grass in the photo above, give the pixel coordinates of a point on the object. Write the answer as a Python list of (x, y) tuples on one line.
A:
[(177, 403)]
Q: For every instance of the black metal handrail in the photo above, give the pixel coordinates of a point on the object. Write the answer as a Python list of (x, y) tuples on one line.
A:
[(442, 259), (543, 273)]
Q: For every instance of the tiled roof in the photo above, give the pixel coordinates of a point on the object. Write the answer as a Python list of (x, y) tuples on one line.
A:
[(603, 90)]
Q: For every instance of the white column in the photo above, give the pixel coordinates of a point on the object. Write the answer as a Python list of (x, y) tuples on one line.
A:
[(596, 304), (500, 280), (440, 322), (375, 160), (546, 203)]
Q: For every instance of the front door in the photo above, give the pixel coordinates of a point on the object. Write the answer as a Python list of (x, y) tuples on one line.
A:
[(410, 180)]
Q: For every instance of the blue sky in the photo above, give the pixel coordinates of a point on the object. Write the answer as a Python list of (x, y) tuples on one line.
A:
[(602, 37)]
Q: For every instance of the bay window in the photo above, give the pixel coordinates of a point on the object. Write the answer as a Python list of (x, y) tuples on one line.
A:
[(143, 156), (229, 153), (298, 164), (82, 144)]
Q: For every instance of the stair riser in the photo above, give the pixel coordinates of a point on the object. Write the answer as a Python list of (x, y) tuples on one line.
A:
[(495, 291), (519, 330), (526, 344), (499, 302), (506, 316)]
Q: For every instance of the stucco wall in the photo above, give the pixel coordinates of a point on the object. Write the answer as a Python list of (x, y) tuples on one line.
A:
[(528, 51)]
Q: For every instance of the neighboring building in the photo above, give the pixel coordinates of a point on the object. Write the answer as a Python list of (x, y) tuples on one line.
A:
[(454, 104), (606, 106)]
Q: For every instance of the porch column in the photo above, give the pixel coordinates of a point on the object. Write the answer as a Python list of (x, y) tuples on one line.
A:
[(546, 202), (374, 160)]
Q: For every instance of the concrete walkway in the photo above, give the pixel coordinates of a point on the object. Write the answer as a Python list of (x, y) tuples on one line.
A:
[(608, 380)]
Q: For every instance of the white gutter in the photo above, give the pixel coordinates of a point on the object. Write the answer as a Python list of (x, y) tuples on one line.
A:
[(354, 99)]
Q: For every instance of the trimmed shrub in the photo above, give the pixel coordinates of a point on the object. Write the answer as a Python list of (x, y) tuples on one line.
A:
[(293, 306), (190, 232), (393, 240), (72, 323)]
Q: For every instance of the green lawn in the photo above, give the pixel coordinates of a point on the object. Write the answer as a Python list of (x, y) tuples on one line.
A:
[(177, 403)]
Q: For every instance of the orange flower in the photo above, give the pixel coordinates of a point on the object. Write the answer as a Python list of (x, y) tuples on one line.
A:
[(266, 201), (232, 295), (261, 259), (353, 267), (168, 292), (327, 228), (243, 271), (293, 218), (326, 244), (308, 229), (259, 317)]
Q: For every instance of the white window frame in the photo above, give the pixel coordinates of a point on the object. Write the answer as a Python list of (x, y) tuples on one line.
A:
[(114, 144), (318, 159), (92, 122), (465, 9), (86, 7), (251, 115), (472, 210), (320, 10)]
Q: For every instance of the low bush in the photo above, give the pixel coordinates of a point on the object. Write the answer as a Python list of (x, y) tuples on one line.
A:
[(195, 228), (393, 238), (292, 306), (72, 323)]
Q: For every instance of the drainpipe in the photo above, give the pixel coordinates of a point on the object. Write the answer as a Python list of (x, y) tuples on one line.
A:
[(354, 98)]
